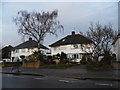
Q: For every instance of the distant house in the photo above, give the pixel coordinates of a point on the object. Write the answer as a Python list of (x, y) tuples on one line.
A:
[(6, 52), (27, 48), (71, 45), (116, 47)]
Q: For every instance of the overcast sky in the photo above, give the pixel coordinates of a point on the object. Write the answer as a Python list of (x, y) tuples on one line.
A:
[(72, 15)]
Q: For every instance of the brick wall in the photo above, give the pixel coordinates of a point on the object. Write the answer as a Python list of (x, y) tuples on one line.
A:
[(35, 64)]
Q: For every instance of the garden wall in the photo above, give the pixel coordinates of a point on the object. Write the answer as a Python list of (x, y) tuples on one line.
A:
[(116, 65), (8, 64), (35, 64)]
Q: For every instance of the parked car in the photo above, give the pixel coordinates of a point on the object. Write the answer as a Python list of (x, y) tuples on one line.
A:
[(7, 60), (75, 60), (1, 61)]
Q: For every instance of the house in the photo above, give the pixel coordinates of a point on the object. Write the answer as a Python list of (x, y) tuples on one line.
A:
[(6, 53), (71, 45), (27, 48), (116, 47)]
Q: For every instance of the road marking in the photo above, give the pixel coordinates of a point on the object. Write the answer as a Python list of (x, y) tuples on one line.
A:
[(103, 84), (15, 76), (38, 78), (64, 81)]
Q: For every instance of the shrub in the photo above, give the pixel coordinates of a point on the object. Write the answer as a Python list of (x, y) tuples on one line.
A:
[(64, 61), (58, 56), (32, 58), (106, 59), (54, 57), (83, 60)]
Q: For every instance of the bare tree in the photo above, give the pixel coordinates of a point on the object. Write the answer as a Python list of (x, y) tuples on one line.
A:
[(102, 37), (37, 25), (108, 37)]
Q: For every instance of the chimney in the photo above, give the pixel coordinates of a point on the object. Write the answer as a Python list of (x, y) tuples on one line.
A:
[(30, 39), (73, 32)]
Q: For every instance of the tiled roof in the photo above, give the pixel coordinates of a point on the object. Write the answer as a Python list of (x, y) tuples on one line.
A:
[(72, 39), (29, 44), (7, 48)]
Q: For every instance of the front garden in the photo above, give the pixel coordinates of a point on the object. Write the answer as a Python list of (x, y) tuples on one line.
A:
[(60, 61)]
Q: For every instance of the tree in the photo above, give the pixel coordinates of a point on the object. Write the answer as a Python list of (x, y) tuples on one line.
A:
[(102, 37), (37, 25)]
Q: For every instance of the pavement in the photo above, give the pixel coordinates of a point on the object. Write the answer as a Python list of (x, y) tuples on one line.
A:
[(75, 72)]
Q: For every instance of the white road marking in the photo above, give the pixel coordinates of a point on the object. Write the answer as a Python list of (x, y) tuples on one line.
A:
[(103, 84), (64, 81), (38, 78), (15, 76)]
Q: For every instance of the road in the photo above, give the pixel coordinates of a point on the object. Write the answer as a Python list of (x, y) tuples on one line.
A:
[(22, 81)]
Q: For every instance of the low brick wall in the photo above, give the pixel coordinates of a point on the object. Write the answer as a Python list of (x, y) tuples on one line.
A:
[(116, 65), (35, 64), (8, 64)]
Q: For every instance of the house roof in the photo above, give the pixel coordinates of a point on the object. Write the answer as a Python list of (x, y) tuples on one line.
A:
[(29, 44), (7, 48), (72, 39)]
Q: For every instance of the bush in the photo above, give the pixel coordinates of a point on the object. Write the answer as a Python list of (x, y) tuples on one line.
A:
[(83, 60), (54, 57), (64, 61), (38, 55), (106, 59), (32, 58)]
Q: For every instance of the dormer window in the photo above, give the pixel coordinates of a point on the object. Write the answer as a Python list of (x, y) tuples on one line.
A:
[(63, 40)]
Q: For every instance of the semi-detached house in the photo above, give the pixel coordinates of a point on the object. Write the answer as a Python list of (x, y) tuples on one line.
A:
[(116, 47), (71, 45), (27, 48)]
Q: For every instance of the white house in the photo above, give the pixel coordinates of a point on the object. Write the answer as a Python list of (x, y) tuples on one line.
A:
[(116, 47), (27, 48), (71, 45)]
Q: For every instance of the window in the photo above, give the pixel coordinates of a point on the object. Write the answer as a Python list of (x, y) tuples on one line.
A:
[(16, 51), (63, 40), (28, 50), (62, 47), (75, 46), (55, 49), (23, 50), (76, 56)]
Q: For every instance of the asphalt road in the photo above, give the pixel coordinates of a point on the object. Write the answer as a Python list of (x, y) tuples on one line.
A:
[(22, 81)]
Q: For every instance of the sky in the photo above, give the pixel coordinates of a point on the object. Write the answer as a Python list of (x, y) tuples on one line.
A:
[(72, 15)]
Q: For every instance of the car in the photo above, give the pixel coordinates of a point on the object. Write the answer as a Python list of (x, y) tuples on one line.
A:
[(1, 61), (7, 60), (75, 60)]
